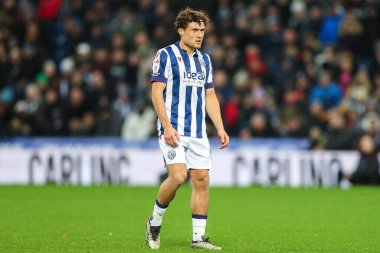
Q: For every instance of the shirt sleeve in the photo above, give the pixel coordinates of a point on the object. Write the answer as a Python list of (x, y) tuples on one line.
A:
[(210, 76), (159, 73)]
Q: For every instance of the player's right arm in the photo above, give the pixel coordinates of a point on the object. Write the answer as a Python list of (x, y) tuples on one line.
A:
[(170, 134), (160, 74)]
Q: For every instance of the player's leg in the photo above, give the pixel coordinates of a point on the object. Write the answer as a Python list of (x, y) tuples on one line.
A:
[(199, 160), (199, 202), (199, 208), (177, 174)]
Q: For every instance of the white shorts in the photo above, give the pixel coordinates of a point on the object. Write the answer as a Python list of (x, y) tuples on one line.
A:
[(194, 152)]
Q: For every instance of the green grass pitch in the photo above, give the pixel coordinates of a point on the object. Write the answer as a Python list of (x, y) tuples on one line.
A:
[(112, 219)]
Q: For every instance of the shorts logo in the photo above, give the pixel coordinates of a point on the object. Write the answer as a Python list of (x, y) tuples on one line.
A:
[(171, 154)]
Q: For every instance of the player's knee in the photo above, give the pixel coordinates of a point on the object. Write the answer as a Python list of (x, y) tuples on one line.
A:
[(179, 178), (201, 181)]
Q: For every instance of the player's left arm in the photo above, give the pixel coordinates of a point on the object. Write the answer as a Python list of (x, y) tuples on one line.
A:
[(213, 110)]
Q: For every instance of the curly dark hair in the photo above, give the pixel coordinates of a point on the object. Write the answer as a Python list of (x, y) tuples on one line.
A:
[(189, 15)]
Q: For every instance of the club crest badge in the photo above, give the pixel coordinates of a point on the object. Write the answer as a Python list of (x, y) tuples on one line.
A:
[(202, 62), (171, 154)]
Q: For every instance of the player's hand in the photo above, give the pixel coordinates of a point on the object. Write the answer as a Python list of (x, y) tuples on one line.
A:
[(224, 139), (171, 136)]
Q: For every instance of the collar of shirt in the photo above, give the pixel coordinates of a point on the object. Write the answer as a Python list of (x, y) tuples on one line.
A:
[(195, 51)]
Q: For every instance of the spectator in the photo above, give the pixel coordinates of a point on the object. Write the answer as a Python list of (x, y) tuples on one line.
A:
[(376, 88), (122, 103), (108, 120), (367, 170), (293, 124), (260, 127), (328, 93), (255, 65), (330, 25), (351, 36), (78, 116), (358, 93), (345, 71), (53, 113), (231, 115), (316, 139), (139, 123), (298, 96), (339, 137)]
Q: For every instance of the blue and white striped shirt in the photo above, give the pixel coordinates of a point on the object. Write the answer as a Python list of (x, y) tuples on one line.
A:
[(187, 78)]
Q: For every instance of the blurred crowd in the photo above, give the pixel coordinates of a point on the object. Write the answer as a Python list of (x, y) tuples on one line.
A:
[(282, 68)]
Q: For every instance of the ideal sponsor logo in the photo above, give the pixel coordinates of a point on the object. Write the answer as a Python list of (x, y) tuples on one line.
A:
[(194, 75), (194, 78)]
